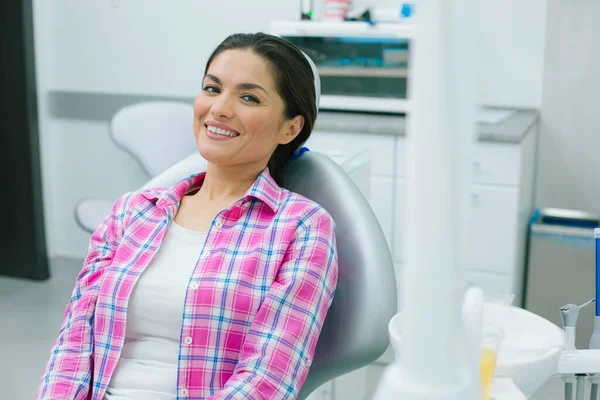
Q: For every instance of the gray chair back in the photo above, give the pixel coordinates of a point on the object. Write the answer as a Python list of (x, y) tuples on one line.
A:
[(355, 332)]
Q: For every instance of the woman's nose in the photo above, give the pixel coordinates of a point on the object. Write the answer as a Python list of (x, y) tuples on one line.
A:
[(222, 107)]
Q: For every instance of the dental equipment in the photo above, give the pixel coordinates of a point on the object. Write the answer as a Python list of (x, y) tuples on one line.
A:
[(569, 315), (595, 340), (575, 364)]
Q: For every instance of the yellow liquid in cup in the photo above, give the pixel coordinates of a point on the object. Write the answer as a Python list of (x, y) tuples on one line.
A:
[(488, 367)]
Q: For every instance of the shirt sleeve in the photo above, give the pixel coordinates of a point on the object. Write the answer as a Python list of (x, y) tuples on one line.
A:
[(68, 373), (280, 344)]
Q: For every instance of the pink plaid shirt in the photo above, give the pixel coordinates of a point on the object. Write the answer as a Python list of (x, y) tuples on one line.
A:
[(254, 308)]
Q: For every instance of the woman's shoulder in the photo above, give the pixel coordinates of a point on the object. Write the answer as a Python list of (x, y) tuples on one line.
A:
[(136, 202), (298, 205), (141, 196)]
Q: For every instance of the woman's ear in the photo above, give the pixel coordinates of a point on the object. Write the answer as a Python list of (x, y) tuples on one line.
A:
[(292, 128)]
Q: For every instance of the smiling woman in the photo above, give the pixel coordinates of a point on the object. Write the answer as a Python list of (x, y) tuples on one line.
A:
[(218, 287), (259, 89)]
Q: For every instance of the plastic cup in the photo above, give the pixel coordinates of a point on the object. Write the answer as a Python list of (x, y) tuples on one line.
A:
[(491, 338)]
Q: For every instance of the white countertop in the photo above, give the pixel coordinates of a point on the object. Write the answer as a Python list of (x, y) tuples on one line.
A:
[(512, 130)]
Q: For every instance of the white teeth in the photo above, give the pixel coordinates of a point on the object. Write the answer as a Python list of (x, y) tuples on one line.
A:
[(220, 131)]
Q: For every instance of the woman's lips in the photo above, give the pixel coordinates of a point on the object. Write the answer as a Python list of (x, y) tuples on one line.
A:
[(222, 132)]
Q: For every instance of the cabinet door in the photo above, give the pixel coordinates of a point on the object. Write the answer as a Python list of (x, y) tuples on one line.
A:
[(352, 386), (323, 392), (381, 199), (496, 163), (374, 375), (382, 147), (493, 228)]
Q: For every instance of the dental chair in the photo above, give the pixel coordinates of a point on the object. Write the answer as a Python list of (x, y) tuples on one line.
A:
[(156, 134)]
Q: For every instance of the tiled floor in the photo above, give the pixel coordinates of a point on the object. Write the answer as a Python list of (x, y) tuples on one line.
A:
[(30, 316)]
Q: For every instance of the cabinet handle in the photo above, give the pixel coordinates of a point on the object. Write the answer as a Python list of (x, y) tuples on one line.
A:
[(474, 198), (476, 165)]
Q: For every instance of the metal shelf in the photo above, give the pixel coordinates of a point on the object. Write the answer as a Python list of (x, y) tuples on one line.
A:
[(343, 29), (364, 72)]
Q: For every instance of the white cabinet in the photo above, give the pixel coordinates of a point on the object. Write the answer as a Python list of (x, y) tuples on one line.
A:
[(334, 143), (496, 163), (501, 203), (501, 206), (493, 226)]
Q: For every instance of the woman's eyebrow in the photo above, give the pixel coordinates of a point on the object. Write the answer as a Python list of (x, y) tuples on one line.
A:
[(213, 78), (241, 86), (250, 86)]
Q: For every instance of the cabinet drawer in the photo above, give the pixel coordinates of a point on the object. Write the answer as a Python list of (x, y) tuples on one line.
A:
[(382, 147), (496, 163), (493, 220)]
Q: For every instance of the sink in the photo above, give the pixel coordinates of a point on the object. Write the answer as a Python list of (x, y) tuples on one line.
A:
[(531, 348), (529, 353)]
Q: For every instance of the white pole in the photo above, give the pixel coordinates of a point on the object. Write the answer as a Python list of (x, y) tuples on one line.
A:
[(436, 362), (430, 293)]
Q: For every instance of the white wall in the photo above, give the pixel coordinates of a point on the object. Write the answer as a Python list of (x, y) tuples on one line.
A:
[(146, 46), (512, 37), (570, 136), (158, 48), (137, 47)]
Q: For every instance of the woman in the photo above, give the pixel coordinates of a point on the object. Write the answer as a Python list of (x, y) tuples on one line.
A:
[(215, 288)]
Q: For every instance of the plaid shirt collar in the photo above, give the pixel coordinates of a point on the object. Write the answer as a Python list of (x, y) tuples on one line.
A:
[(264, 189)]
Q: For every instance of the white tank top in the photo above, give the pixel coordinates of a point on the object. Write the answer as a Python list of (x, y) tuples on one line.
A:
[(147, 368)]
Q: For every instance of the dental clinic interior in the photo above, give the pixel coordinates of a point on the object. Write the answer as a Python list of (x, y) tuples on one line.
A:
[(455, 140)]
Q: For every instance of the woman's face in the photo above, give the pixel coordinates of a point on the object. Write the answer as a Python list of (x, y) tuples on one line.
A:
[(239, 116)]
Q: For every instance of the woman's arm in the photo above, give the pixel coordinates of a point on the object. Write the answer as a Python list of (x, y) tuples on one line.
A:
[(280, 345), (69, 370)]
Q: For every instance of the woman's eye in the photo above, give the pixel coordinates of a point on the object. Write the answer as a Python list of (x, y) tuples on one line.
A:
[(210, 89), (251, 99)]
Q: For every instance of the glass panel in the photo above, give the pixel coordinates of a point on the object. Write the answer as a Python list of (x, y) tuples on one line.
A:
[(355, 66)]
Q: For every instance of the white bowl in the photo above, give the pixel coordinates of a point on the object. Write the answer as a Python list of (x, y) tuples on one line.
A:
[(529, 353)]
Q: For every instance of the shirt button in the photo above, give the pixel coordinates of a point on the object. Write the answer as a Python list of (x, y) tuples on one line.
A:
[(187, 340), (219, 224), (183, 392), (194, 286), (205, 253)]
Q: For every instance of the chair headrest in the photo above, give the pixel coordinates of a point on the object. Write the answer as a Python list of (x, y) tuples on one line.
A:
[(317, 79)]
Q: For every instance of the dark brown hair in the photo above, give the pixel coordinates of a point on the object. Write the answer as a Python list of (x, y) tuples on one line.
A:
[(294, 80)]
